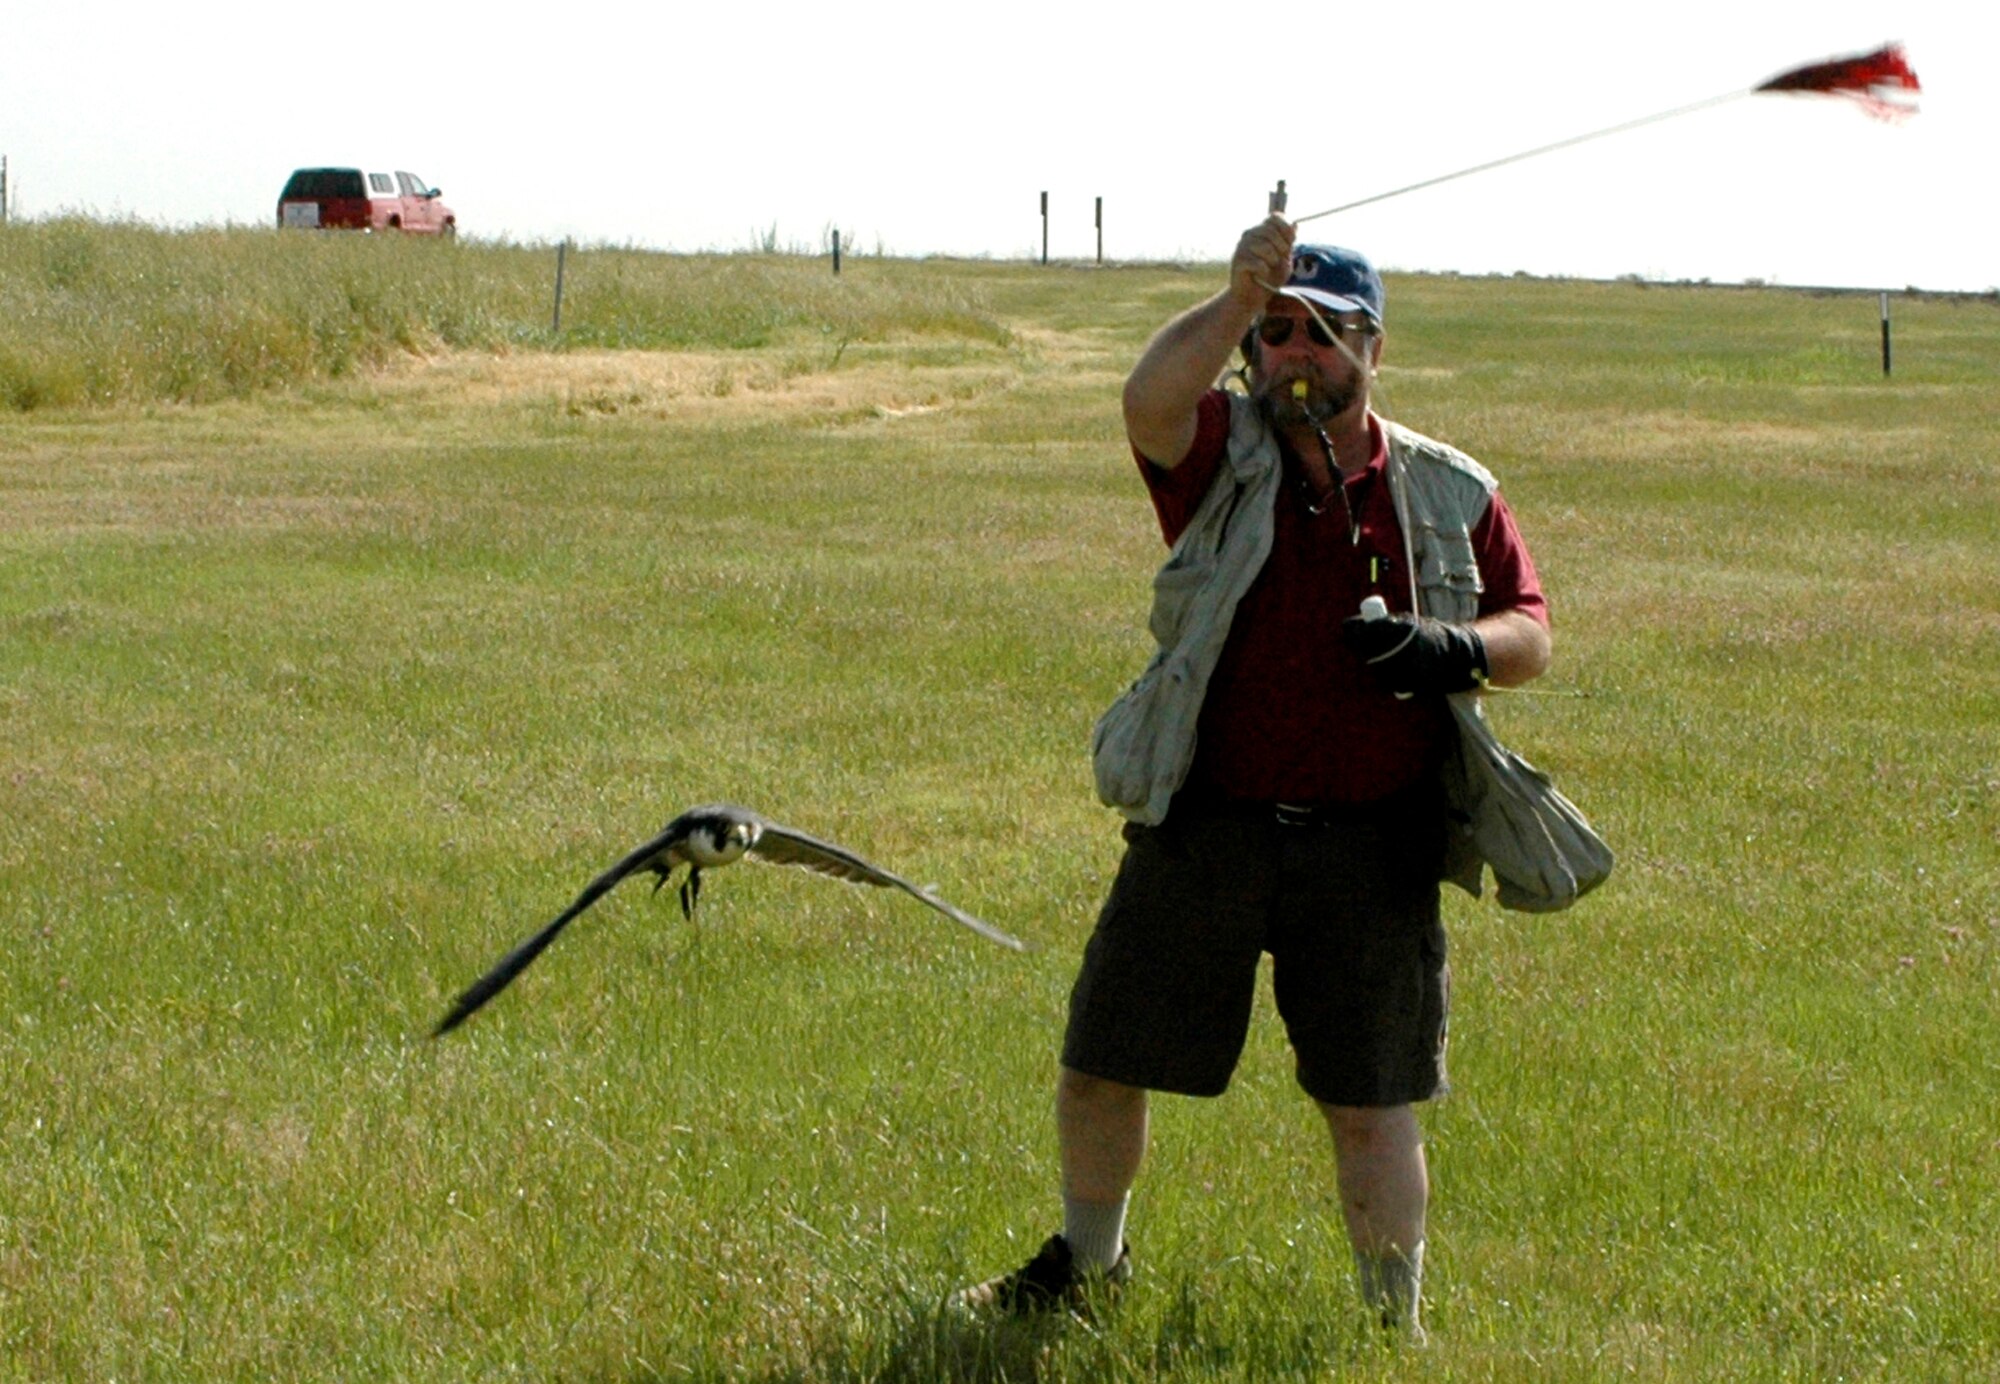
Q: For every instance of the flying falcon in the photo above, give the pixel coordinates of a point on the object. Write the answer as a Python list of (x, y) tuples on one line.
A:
[(705, 838)]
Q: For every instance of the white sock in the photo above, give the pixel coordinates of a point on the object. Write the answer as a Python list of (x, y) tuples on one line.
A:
[(1393, 1283), (1095, 1231)]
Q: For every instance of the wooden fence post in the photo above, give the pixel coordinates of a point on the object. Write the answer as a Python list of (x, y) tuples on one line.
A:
[(1885, 334), (562, 254), (1045, 228), (836, 250), (1100, 230)]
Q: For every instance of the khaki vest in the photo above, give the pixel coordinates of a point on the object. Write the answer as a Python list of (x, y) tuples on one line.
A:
[(1506, 814)]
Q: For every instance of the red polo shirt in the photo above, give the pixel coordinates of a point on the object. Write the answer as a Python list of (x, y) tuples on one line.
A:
[(1291, 715)]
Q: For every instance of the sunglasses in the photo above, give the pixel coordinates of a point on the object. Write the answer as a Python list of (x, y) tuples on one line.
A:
[(1276, 331)]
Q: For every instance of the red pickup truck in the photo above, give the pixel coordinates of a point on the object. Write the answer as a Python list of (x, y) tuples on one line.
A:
[(354, 200)]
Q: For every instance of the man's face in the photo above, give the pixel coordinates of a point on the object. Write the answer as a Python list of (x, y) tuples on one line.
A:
[(1290, 346)]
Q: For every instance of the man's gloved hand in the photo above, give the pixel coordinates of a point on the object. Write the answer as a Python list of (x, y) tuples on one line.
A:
[(1415, 654)]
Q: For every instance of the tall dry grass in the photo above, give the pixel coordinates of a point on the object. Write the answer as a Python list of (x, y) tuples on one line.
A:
[(96, 312)]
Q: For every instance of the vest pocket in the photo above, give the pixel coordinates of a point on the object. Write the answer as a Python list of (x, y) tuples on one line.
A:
[(1448, 573)]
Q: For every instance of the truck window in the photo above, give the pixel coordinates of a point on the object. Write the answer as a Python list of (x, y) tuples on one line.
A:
[(314, 183)]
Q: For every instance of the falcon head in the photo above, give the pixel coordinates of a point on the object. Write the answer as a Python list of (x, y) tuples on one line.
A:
[(720, 841)]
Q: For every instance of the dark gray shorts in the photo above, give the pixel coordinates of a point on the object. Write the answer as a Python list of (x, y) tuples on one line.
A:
[(1348, 909)]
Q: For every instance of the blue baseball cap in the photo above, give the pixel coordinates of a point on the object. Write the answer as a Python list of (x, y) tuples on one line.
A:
[(1335, 279)]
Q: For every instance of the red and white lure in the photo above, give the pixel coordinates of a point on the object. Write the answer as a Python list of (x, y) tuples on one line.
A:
[(1882, 83)]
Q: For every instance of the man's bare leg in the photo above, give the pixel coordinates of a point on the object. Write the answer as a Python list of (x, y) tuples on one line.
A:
[(1384, 1190), (1101, 1126)]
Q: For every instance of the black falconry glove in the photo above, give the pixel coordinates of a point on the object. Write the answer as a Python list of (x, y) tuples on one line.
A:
[(1414, 654)]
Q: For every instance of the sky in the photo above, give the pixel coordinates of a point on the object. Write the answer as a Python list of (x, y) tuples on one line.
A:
[(920, 129)]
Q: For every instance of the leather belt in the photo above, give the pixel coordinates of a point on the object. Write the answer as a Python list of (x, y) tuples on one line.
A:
[(1282, 814), (1309, 814)]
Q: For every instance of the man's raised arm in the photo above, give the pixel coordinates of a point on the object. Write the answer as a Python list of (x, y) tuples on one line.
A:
[(1185, 356)]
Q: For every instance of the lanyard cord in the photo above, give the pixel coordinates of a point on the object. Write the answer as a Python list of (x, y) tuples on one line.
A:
[(1340, 484)]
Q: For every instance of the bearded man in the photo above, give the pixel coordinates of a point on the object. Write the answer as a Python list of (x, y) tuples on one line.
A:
[(1279, 763)]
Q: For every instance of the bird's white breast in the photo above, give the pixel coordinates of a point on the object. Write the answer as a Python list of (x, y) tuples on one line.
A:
[(708, 846)]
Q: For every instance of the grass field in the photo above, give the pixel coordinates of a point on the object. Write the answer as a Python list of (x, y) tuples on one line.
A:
[(317, 695)]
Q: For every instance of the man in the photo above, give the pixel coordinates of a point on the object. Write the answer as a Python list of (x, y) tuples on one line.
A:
[(1280, 761)]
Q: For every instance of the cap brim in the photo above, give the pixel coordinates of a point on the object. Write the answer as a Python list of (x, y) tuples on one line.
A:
[(1332, 302)]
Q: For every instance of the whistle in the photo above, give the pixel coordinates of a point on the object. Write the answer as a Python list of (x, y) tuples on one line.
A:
[(1300, 389)]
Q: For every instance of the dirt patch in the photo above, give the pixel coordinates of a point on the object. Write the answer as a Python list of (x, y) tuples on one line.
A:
[(694, 385)]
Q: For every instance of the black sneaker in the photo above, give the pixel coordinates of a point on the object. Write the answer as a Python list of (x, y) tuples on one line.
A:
[(1049, 1281)]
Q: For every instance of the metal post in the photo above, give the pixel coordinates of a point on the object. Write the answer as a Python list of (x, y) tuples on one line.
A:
[(1100, 230), (836, 250), (1885, 334), (562, 254), (1045, 228)]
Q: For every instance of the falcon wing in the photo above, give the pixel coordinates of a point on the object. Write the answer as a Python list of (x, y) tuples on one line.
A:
[(660, 852), (779, 845)]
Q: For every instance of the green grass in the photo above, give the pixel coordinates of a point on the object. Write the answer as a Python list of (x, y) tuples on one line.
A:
[(317, 697)]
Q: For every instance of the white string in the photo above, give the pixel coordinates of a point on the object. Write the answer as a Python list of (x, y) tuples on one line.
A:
[(1529, 154)]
